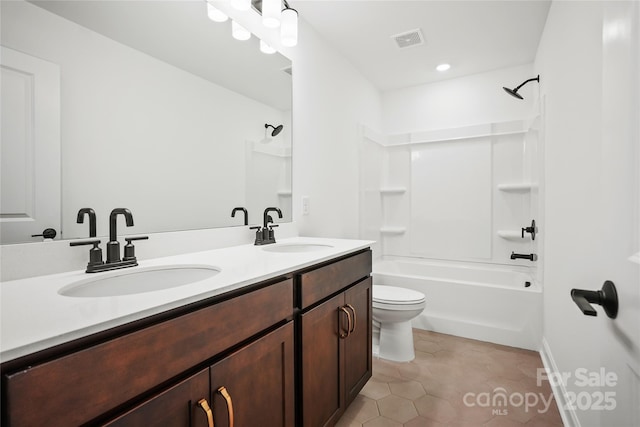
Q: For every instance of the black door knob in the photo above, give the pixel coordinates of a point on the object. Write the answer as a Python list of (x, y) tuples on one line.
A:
[(48, 233), (607, 297)]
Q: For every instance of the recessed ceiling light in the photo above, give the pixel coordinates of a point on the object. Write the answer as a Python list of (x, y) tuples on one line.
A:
[(443, 67)]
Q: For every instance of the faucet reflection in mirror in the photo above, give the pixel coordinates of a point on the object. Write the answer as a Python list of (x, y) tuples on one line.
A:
[(92, 220), (113, 262), (244, 211)]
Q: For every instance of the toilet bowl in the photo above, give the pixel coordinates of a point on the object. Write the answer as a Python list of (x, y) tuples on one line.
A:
[(393, 309)]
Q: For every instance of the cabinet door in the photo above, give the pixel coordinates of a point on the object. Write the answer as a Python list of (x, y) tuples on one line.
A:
[(258, 383), (176, 407), (357, 351), (322, 367)]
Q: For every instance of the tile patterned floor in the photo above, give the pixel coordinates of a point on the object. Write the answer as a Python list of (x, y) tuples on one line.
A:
[(455, 382)]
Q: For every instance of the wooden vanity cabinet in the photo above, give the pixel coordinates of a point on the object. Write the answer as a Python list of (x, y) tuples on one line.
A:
[(258, 383), (90, 383), (335, 335), (179, 406), (287, 352)]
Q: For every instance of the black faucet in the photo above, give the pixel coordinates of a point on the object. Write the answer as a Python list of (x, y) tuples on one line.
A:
[(264, 234), (266, 216), (530, 257), (92, 220), (243, 210), (113, 246), (113, 261)]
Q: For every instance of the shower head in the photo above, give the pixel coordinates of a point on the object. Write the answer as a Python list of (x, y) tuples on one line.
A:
[(276, 129), (514, 92)]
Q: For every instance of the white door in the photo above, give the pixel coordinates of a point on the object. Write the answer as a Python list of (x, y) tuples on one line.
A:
[(30, 147), (620, 202)]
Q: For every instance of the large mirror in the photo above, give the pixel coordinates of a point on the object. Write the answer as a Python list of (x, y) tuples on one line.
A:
[(159, 110)]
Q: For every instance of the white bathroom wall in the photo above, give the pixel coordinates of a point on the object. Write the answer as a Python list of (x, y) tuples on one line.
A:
[(372, 166), (569, 61), (454, 103), (331, 100), (201, 118)]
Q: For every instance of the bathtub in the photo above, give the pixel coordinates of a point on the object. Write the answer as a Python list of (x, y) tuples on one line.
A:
[(473, 300)]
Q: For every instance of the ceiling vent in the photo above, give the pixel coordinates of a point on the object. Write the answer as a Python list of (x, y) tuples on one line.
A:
[(409, 38)]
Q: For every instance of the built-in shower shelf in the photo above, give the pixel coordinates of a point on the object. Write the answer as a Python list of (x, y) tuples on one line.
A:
[(510, 234), (516, 186), (392, 190), (284, 193), (393, 230)]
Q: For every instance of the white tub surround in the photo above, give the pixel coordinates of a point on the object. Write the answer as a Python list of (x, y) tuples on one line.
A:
[(473, 300), (35, 317)]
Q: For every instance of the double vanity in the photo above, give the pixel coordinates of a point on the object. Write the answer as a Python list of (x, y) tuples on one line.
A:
[(275, 335)]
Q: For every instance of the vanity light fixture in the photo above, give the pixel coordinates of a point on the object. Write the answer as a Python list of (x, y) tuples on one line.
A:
[(289, 26), (271, 13), (241, 4), (443, 67), (273, 16), (239, 32), (215, 14), (266, 48)]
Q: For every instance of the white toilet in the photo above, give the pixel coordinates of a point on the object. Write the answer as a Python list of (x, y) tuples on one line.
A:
[(393, 309)]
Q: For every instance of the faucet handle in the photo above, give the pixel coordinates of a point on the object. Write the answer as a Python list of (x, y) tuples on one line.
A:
[(95, 253), (258, 229), (131, 239), (94, 242), (129, 249)]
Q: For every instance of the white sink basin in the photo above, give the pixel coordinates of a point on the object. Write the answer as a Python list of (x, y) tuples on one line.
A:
[(138, 280), (296, 247)]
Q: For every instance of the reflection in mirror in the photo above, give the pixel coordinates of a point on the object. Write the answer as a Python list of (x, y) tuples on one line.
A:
[(160, 111)]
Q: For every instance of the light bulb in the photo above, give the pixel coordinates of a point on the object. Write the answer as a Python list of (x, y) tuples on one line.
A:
[(271, 13), (241, 4), (239, 32), (215, 14), (443, 67), (289, 27), (265, 48)]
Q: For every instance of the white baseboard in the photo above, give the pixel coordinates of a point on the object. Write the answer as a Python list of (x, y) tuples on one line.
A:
[(569, 417)]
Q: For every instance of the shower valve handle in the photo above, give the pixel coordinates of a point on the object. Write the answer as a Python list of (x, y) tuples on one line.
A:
[(532, 229)]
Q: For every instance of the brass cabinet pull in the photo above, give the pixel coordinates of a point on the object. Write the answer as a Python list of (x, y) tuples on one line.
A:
[(223, 391), (355, 318), (205, 407), (342, 334)]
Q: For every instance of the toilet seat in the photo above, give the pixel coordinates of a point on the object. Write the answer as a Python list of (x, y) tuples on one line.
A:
[(392, 295), (397, 299)]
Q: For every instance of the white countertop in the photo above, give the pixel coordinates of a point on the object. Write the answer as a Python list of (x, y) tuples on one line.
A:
[(33, 316)]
